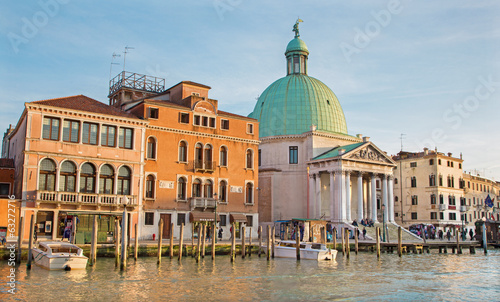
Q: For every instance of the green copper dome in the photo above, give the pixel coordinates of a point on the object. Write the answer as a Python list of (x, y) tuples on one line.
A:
[(292, 104)]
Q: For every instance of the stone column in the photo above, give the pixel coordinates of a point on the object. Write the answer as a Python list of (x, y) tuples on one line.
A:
[(312, 195), (318, 194), (333, 215), (373, 196), (360, 196), (340, 188), (391, 198), (55, 224), (348, 195), (384, 197)]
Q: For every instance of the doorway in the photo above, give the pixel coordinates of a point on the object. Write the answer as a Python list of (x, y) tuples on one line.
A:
[(166, 225)]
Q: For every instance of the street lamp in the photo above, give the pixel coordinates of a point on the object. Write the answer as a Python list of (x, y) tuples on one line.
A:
[(383, 220), (215, 218)]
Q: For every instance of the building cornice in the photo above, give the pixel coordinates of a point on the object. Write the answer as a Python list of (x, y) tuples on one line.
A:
[(312, 133), (194, 133)]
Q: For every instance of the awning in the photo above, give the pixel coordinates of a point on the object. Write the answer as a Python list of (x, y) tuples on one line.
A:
[(237, 218), (202, 216)]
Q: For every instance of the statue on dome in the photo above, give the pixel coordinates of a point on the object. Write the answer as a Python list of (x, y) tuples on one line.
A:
[(296, 27)]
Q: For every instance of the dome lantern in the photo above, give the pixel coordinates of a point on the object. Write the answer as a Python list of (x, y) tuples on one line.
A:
[(296, 53)]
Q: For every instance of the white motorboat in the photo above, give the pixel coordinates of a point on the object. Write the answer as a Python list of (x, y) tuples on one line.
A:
[(59, 255), (308, 250)]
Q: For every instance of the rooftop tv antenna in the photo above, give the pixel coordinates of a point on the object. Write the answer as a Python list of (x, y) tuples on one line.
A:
[(125, 55), (401, 138), (113, 63)]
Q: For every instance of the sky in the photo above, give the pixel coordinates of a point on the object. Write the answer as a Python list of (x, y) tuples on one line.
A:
[(429, 70)]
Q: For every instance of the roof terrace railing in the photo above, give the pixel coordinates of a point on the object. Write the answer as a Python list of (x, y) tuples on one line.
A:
[(136, 81)]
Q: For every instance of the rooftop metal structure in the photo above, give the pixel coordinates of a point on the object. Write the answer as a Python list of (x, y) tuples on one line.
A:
[(137, 81)]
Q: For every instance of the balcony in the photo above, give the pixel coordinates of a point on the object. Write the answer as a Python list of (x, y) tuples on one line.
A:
[(202, 202), (85, 198), (203, 166), (442, 207), (464, 209)]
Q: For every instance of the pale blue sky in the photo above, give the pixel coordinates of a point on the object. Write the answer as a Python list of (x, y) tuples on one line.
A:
[(429, 69)]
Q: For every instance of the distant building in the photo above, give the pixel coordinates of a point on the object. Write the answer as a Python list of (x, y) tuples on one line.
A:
[(476, 190), (428, 188), (200, 162), (9, 205), (75, 156)]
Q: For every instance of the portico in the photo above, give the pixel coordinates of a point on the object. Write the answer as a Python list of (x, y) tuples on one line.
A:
[(351, 182)]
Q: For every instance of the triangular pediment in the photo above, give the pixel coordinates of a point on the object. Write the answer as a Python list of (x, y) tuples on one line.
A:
[(369, 153)]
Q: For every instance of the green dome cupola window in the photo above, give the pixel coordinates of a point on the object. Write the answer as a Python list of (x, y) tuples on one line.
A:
[(293, 104)]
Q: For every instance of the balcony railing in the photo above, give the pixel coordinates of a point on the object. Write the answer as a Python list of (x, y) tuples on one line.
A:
[(464, 208), (202, 202), (203, 166), (85, 198), (442, 207)]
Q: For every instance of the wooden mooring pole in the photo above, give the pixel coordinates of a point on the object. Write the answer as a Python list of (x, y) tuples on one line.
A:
[(377, 233), (181, 241), (233, 241), (93, 243), (459, 250), (342, 234), (160, 235), (30, 246), (20, 235), (204, 239), (334, 237), (268, 242), (136, 243), (273, 243), (117, 243), (243, 243), (193, 250), (123, 256), (485, 241), (198, 246), (400, 241), (297, 242), (356, 232), (260, 239), (347, 246), (214, 233), (250, 242), (171, 249)]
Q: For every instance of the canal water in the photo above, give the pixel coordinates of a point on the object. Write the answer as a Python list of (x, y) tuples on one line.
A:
[(426, 277)]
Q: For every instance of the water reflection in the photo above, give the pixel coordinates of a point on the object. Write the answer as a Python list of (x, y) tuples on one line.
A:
[(363, 277)]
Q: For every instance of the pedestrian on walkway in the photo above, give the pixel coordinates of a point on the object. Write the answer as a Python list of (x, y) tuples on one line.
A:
[(448, 235), (364, 233), (471, 234)]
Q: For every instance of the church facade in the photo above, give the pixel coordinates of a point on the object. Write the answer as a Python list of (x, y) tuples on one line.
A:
[(309, 166)]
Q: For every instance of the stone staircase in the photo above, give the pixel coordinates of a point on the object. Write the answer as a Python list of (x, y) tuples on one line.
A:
[(391, 233)]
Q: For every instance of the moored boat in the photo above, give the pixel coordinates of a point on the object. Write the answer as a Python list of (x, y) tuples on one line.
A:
[(308, 250), (59, 255)]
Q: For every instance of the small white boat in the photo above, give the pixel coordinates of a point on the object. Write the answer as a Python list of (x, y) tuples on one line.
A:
[(59, 255), (308, 250)]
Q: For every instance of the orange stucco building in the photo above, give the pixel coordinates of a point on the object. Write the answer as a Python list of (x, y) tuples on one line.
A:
[(200, 162), (76, 157)]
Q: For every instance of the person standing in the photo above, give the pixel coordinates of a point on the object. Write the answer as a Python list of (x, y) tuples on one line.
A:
[(448, 235), (471, 234), (364, 233)]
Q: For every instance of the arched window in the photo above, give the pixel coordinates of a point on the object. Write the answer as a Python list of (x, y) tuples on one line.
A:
[(87, 178), (198, 156), (151, 150), (150, 186), (223, 191), (106, 179), (249, 161), (249, 193), (181, 189), (124, 181), (47, 180), (67, 177), (413, 182), (208, 157), (223, 156), (197, 188), (182, 152), (209, 188)]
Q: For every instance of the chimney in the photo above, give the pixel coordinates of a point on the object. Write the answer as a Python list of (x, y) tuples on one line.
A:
[(460, 155), (426, 151), (359, 136), (366, 139), (449, 154)]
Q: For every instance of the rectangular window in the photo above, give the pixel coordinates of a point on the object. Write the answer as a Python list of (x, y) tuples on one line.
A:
[(260, 157), (197, 120), (184, 118), (125, 138), (89, 134), (181, 218), (212, 122), (414, 200), (154, 113), (224, 124), (71, 131), (460, 166), (414, 215), (4, 189), (413, 164), (439, 161), (441, 215), (433, 199), (431, 161), (293, 155), (452, 216), (50, 128), (433, 215), (149, 218), (249, 221), (250, 128), (223, 220), (204, 121), (108, 134)]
